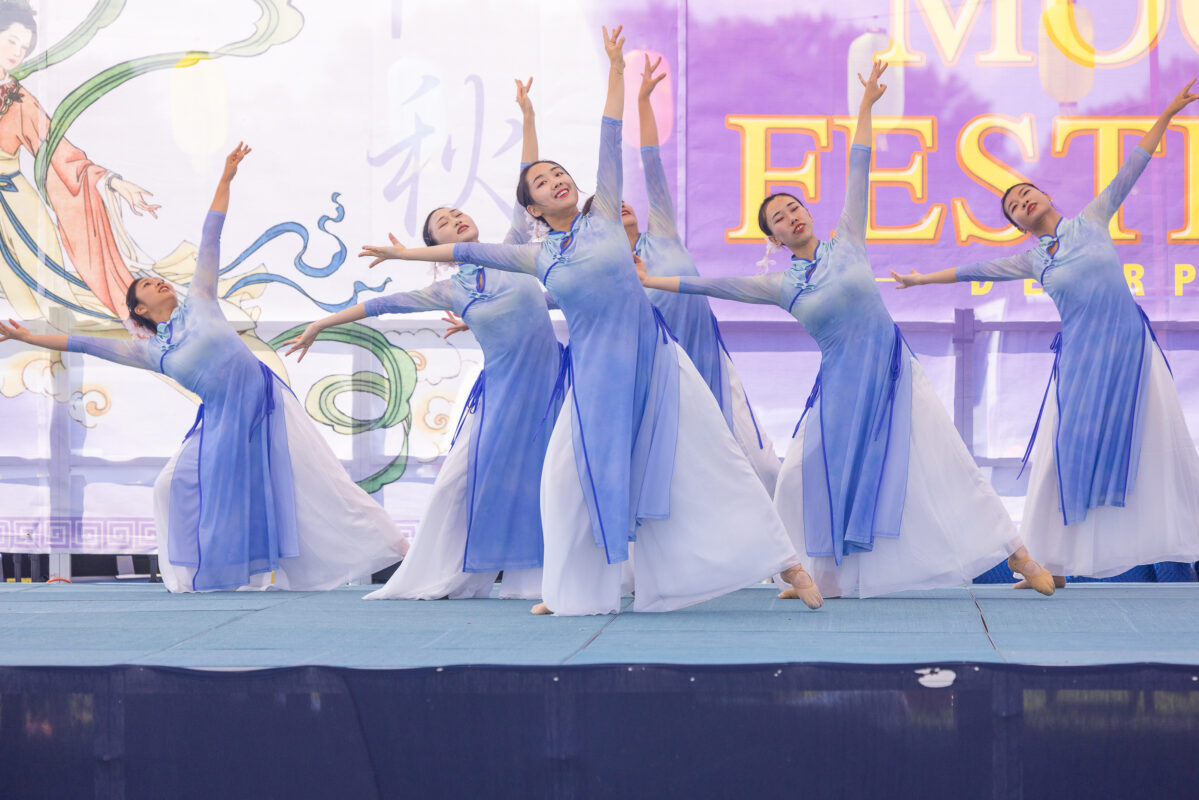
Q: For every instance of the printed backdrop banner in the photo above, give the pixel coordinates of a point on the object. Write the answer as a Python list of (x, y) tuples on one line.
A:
[(366, 116)]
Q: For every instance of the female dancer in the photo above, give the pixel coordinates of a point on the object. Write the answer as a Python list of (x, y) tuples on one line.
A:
[(484, 515), (233, 505), (877, 487), (641, 451), (690, 318), (1117, 484)]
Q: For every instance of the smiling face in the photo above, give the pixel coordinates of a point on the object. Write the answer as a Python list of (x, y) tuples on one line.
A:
[(450, 225), (787, 221), (15, 42), (628, 217), (551, 190), (1025, 205)]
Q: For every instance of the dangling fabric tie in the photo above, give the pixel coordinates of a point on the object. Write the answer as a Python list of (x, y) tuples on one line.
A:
[(196, 424), (896, 369), (808, 405), (1056, 347), (565, 377), (266, 404), (1153, 335), (667, 333), (472, 403)]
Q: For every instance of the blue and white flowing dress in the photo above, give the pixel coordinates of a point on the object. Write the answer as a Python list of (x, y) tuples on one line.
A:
[(233, 508), (691, 320), (484, 515), (1114, 478), (641, 451), (877, 490)]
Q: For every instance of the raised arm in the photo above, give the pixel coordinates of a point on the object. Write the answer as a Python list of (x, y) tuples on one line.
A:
[(204, 282), (852, 225), (661, 204), (1105, 205), (519, 232), (610, 177), (124, 351)]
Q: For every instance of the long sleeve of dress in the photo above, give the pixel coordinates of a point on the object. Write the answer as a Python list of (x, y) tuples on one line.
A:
[(437, 296), (130, 352), (208, 263), (1007, 268), (73, 192), (851, 226), (1104, 206), (763, 289), (609, 183), (662, 221), (508, 257)]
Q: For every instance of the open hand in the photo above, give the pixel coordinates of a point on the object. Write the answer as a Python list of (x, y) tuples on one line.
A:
[(233, 159), (874, 90), (1182, 99), (457, 325), (648, 81), (303, 341), (522, 96), (381, 254), (13, 330), (614, 46), (913, 278)]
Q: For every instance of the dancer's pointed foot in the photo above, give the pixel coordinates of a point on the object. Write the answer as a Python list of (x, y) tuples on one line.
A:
[(540, 608), (802, 587), (1035, 576), (1059, 582)]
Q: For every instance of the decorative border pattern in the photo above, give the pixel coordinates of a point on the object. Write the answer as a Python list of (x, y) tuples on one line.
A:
[(122, 535)]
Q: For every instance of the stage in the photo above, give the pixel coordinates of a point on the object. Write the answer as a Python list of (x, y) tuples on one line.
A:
[(111, 690), (103, 624)]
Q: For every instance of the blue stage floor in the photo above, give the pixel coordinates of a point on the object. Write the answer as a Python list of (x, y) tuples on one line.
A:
[(106, 624)]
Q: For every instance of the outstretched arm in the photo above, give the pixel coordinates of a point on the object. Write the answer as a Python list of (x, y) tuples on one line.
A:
[(220, 201), (915, 278), (761, 289), (509, 257), (19, 333), (120, 351), (306, 339)]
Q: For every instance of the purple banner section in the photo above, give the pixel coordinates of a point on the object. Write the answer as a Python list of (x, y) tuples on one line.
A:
[(992, 93)]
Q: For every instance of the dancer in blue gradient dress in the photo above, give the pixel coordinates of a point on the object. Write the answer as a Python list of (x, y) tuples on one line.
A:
[(690, 317), (1115, 484), (484, 515), (254, 489), (641, 451), (878, 488)]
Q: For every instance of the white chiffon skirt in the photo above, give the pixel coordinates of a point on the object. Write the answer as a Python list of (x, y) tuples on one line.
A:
[(722, 533), (1160, 518), (750, 435), (954, 525), (433, 567), (343, 533)]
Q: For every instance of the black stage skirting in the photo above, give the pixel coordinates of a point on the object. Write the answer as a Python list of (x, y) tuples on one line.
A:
[(802, 731)]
